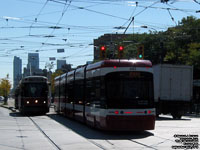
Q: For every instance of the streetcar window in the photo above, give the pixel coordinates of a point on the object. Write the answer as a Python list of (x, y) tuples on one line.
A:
[(62, 90), (56, 91), (79, 90), (35, 89), (95, 92), (125, 89), (70, 92), (88, 91)]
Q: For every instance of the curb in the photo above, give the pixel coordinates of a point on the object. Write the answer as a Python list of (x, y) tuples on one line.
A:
[(10, 108), (193, 115)]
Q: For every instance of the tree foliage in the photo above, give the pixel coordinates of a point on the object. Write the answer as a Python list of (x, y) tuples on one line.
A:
[(177, 45), (5, 86), (55, 74)]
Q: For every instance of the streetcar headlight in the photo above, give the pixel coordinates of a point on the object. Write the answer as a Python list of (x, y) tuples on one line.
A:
[(36, 101), (27, 102), (44, 102)]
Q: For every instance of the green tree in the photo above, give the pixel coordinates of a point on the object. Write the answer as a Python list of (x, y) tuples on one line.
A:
[(183, 44), (55, 74), (5, 86), (177, 45)]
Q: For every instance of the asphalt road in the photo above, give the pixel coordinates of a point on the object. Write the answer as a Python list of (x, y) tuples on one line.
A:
[(55, 132)]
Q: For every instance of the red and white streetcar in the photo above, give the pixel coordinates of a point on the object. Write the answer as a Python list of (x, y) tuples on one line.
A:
[(31, 95), (109, 95)]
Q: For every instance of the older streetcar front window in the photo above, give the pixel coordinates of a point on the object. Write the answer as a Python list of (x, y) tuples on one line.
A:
[(35, 90)]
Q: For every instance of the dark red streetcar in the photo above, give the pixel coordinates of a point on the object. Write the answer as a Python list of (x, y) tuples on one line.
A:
[(31, 95), (109, 95)]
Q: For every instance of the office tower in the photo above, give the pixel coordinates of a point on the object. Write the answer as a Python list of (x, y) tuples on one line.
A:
[(60, 64), (17, 71), (33, 61)]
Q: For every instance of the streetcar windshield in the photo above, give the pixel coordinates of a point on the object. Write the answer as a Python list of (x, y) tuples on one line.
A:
[(129, 89), (35, 89)]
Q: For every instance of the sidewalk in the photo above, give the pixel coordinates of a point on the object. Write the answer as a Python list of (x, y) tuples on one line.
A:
[(10, 104), (193, 115)]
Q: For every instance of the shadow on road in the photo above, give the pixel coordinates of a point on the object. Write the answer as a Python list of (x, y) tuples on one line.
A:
[(18, 114), (167, 118), (89, 132), (92, 133)]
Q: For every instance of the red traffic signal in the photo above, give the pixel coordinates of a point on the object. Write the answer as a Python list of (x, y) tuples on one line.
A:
[(120, 48), (103, 51), (103, 48), (120, 51)]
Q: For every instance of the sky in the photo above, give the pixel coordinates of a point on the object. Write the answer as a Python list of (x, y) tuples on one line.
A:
[(43, 26)]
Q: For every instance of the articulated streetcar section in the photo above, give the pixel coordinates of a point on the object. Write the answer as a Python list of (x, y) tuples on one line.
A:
[(109, 95)]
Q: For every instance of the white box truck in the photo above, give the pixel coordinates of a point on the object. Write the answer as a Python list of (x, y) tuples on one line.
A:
[(173, 86)]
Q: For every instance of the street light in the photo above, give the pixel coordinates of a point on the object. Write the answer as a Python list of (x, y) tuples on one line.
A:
[(146, 27)]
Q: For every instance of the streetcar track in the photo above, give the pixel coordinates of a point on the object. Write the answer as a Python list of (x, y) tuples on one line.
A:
[(164, 138), (98, 145), (104, 148), (143, 144), (109, 142), (156, 144), (49, 139), (20, 132)]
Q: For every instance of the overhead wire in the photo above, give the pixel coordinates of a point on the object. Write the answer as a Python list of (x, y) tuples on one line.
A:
[(151, 6), (172, 17), (51, 25), (94, 11), (63, 12), (127, 19), (57, 23), (196, 2), (133, 17), (102, 13), (146, 8), (183, 10), (164, 8), (36, 18)]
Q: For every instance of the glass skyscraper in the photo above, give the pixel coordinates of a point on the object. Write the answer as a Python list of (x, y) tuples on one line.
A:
[(33, 61), (17, 71)]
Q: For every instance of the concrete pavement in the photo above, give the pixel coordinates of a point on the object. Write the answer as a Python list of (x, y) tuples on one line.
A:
[(10, 104)]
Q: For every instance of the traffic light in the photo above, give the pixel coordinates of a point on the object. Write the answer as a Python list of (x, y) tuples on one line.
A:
[(120, 51), (103, 51), (140, 52)]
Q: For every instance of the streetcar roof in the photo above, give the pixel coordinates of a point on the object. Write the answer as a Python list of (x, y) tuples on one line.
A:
[(60, 76), (34, 79), (120, 63), (103, 64)]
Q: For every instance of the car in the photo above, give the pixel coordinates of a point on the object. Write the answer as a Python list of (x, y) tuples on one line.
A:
[(1, 98)]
